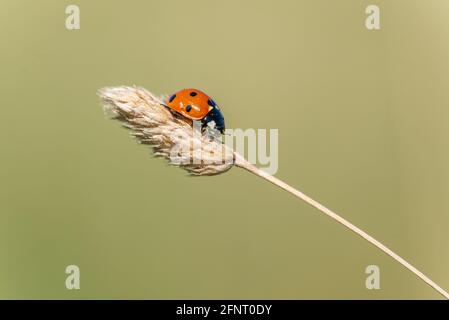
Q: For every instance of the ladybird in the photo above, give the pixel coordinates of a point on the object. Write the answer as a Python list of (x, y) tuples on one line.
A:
[(196, 105)]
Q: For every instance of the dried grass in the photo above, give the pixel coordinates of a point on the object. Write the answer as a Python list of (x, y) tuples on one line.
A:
[(152, 123)]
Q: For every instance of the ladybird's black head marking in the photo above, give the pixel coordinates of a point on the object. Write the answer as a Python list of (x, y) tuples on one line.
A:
[(188, 108), (193, 93), (172, 98), (216, 116), (211, 103)]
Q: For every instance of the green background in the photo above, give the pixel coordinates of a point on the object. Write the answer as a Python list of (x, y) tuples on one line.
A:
[(363, 128)]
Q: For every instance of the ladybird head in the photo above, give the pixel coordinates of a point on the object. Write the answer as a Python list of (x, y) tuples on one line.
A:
[(215, 118)]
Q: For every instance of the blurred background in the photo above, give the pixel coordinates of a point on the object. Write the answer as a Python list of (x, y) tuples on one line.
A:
[(363, 128)]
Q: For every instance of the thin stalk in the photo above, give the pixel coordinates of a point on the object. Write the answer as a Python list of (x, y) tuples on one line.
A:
[(241, 162)]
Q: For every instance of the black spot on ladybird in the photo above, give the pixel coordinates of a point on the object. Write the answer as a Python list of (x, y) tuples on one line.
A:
[(172, 98), (211, 103), (193, 93), (188, 108)]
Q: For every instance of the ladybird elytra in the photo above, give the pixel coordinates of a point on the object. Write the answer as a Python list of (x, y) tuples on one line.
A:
[(196, 105)]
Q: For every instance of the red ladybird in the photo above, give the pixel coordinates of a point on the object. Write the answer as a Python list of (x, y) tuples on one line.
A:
[(196, 105)]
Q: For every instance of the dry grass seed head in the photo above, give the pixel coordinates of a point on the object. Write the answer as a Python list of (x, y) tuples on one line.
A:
[(154, 124)]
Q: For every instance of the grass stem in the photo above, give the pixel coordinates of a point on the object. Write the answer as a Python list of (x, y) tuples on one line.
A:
[(241, 162)]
